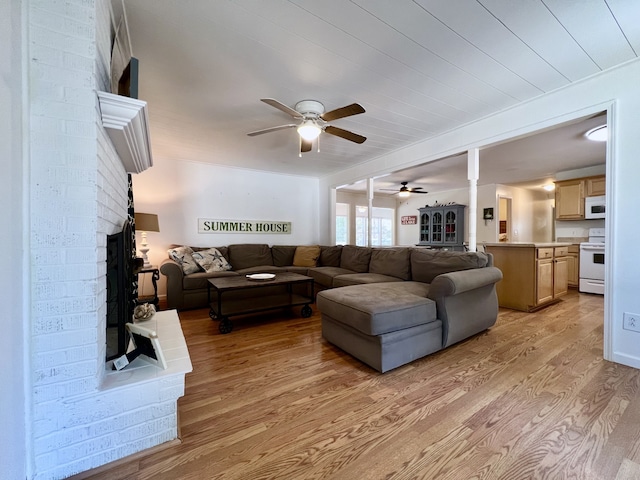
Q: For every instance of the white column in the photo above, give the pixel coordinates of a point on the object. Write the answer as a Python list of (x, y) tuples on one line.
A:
[(473, 169), (332, 216), (369, 209)]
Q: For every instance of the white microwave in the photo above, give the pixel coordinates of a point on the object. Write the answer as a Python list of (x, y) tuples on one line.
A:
[(594, 207)]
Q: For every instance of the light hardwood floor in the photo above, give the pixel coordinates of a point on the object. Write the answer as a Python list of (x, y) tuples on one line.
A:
[(531, 398)]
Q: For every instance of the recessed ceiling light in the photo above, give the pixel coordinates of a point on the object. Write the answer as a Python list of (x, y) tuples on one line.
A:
[(550, 187), (598, 134)]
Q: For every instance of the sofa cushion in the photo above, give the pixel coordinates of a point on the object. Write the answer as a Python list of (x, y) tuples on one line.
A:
[(379, 308), (283, 255), (427, 264), (355, 258), (391, 261), (261, 269), (330, 256), (360, 278), (200, 279), (246, 255), (324, 276), (211, 260), (298, 270), (306, 256), (184, 256)]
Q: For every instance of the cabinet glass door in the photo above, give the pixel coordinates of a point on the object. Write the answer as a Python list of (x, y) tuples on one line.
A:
[(450, 235), (424, 228), (436, 227)]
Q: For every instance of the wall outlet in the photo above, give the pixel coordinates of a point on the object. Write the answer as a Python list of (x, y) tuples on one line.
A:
[(631, 321)]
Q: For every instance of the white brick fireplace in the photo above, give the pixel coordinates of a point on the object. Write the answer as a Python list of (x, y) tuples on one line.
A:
[(77, 195)]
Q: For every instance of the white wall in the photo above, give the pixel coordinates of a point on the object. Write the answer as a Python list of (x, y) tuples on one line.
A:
[(576, 229), (13, 375), (180, 192), (532, 217), (617, 90)]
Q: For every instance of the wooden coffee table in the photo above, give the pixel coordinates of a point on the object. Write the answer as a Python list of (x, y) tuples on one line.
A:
[(251, 300)]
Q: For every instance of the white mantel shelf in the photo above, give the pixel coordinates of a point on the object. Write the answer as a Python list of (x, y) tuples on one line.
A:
[(174, 347), (126, 122)]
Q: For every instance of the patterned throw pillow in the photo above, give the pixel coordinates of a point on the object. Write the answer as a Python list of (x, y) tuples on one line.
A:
[(184, 256), (211, 260)]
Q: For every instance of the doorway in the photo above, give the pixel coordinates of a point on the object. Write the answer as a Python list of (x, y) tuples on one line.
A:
[(504, 220)]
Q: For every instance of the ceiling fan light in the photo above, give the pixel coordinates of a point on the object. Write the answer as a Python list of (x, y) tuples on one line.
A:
[(404, 193), (309, 130)]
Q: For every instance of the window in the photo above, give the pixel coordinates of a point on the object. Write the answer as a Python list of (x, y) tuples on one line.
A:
[(381, 226), (342, 223)]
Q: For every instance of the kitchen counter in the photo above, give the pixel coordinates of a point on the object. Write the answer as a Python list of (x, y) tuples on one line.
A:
[(534, 274), (529, 244)]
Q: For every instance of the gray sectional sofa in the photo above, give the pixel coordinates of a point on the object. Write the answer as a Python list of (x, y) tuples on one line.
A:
[(384, 306)]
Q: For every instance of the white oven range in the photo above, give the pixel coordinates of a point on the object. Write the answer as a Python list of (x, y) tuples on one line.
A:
[(592, 263)]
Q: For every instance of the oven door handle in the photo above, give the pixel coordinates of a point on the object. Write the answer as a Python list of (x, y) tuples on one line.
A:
[(599, 249)]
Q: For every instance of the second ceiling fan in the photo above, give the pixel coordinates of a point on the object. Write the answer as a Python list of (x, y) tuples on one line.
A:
[(313, 121), (404, 190)]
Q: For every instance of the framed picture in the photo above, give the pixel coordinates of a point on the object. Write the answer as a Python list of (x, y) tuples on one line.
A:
[(147, 344)]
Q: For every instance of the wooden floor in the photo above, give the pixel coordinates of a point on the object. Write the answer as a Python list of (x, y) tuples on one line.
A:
[(530, 398)]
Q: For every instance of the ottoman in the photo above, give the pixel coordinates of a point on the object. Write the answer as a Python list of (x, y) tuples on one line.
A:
[(384, 325)]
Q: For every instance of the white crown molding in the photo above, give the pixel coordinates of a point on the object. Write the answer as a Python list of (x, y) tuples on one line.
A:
[(126, 122)]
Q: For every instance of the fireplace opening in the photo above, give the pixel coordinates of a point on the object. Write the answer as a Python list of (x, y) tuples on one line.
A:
[(122, 288)]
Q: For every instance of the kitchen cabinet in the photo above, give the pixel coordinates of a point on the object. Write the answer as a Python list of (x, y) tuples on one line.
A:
[(534, 274), (560, 271), (442, 226), (595, 186), (573, 266), (570, 195), (570, 200)]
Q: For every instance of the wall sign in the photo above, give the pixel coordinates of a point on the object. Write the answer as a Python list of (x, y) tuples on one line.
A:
[(409, 220), (208, 225)]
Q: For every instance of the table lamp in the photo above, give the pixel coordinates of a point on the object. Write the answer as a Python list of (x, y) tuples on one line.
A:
[(146, 222)]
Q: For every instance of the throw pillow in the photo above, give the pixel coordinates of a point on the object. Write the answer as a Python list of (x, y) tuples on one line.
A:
[(211, 260), (183, 256), (306, 256)]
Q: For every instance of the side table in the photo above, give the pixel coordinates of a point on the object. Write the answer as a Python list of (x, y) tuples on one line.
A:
[(155, 276)]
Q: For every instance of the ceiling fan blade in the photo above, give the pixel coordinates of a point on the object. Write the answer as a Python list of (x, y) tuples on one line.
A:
[(353, 109), (346, 134), (416, 191), (281, 106), (305, 145), (272, 129)]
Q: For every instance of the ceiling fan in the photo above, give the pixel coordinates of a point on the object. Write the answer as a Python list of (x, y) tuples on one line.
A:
[(313, 121), (404, 190)]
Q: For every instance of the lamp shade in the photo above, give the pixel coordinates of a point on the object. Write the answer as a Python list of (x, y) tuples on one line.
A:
[(147, 222)]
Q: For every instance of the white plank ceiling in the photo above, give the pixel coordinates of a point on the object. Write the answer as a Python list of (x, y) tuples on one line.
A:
[(419, 68)]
